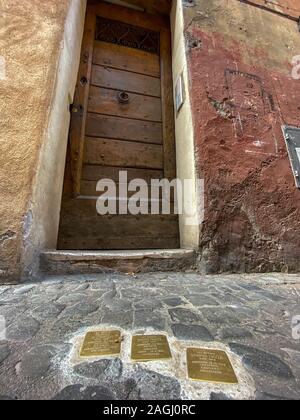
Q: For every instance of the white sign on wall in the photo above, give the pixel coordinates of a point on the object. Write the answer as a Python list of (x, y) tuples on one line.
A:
[(298, 152), (179, 93), (292, 139)]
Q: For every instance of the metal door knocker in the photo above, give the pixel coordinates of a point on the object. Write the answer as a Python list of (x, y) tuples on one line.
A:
[(123, 98)]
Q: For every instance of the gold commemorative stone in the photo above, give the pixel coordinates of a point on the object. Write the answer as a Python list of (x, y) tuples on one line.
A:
[(207, 365), (101, 343), (146, 348)]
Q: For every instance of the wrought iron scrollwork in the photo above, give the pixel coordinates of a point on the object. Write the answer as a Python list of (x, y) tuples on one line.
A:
[(127, 35)]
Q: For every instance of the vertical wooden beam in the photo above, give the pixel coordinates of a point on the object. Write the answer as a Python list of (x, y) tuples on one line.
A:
[(167, 105), (79, 109)]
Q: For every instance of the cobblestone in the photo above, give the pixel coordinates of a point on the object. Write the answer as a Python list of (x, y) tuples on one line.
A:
[(36, 362), (102, 370), (81, 393), (261, 361), (248, 316), (185, 316), (4, 353), (191, 332), (23, 329)]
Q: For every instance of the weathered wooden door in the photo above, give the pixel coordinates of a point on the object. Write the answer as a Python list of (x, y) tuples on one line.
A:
[(122, 120)]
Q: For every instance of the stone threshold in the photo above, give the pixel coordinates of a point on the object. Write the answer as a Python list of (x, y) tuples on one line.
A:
[(92, 262)]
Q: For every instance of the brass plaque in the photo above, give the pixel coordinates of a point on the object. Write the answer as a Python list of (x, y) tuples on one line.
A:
[(210, 366), (146, 348), (101, 343)]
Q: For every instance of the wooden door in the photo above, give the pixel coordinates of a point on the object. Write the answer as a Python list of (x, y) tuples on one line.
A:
[(122, 120)]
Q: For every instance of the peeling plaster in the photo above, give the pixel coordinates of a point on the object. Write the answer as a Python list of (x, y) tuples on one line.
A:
[(242, 92), (7, 236), (27, 225)]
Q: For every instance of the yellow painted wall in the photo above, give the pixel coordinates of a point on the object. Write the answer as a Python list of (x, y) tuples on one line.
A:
[(33, 43)]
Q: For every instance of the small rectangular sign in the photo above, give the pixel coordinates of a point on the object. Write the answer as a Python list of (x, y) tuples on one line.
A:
[(292, 139), (298, 153), (147, 348), (179, 93), (208, 365), (101, 343)]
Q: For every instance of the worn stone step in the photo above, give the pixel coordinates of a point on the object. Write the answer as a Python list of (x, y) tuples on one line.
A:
[(90, 262)]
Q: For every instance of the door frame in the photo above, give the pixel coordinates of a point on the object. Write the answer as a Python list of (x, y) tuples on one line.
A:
[(44, 216)]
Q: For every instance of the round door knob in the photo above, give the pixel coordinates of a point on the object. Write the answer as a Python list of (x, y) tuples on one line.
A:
[(123, 98)]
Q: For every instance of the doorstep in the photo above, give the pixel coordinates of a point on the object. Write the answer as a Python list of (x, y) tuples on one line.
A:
[(92, 262)]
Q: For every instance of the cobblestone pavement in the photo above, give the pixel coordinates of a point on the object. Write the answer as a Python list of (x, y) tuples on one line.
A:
[(248, 316)]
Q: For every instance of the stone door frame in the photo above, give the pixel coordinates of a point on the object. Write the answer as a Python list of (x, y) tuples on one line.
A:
[(45, 205)]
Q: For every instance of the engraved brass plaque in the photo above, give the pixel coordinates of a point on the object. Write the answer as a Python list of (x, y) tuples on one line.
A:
[(146, 348), (101, 343), (207, 365)]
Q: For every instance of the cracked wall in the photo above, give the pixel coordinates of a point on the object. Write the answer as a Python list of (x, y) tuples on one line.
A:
[(31, 34), (242, 92)]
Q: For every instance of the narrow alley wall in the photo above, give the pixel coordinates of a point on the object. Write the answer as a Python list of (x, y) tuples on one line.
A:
[(31, 33), (242, 92)]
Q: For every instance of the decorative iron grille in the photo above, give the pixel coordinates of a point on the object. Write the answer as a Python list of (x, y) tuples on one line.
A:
[(120, 33)]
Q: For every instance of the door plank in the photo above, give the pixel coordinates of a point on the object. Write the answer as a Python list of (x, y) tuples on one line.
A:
[(95, 173), (126, 58), (84, 243), (114, 232), (157, 7), (119, 128), (89, 189), (83, 215), (122, 226), (136, 18), (112, 152), (78, 118), (167, 106), (105, 101), (125, 81)]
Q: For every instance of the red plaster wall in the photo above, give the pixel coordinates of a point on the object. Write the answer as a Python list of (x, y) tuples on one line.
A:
[(242, 93), (290, 7)]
